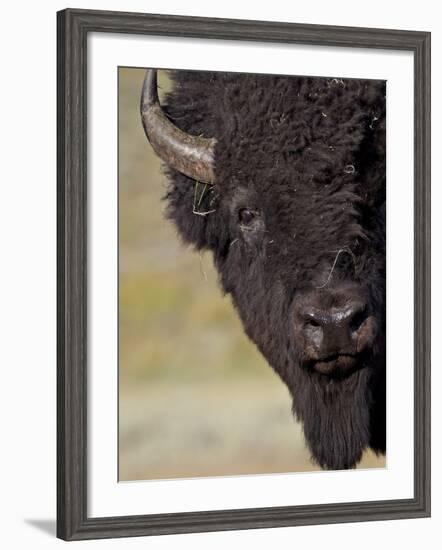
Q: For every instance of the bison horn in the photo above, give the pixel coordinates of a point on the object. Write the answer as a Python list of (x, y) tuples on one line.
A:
[(190, 155)]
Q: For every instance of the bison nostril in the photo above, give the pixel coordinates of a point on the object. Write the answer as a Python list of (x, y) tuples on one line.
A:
[(312, 328), (312, 319), (357, 320), (312, 323)]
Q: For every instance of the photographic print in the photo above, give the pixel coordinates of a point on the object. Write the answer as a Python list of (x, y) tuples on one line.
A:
[(243, 276), (252, 279)]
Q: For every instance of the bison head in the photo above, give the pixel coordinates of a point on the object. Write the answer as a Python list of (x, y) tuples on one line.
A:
[(283, 179)]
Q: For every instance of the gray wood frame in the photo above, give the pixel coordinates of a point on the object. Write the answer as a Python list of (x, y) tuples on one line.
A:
[(73, 27)]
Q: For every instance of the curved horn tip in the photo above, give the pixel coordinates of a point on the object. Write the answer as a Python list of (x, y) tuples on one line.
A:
[(149, 94)]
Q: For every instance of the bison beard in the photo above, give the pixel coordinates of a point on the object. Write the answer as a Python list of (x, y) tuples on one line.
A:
[(336, 417), (293, 211)]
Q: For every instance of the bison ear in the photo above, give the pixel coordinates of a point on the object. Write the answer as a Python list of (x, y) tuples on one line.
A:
[(192, 206)]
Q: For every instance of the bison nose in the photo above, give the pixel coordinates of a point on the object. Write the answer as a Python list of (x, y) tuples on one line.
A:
[(332, 331)]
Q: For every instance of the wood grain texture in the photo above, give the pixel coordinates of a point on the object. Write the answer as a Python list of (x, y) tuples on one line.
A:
[(72, 28)]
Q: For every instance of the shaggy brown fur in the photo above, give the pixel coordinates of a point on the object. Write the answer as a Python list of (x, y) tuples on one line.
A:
[(307, 157)]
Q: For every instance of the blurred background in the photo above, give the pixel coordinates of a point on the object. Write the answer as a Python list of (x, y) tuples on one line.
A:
[(195, 396)]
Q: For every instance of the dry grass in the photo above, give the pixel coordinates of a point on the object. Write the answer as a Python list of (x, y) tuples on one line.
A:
[(192, 430)]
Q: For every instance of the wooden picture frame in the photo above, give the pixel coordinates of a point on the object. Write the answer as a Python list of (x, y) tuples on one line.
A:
[(74, 25)]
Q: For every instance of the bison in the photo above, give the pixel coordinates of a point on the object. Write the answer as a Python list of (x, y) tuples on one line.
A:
[(283, 179)]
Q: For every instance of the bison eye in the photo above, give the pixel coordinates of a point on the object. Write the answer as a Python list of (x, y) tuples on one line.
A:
[(245, 215)]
